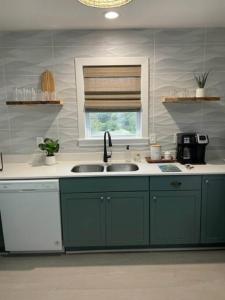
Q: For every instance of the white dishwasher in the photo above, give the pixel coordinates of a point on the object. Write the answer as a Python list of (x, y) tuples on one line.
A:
[(30, 212)]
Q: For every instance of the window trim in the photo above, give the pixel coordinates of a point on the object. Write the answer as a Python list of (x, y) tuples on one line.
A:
[(104, 61)]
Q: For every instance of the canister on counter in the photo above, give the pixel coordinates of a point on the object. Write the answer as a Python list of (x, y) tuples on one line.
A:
[(168, 155), (155, 152)]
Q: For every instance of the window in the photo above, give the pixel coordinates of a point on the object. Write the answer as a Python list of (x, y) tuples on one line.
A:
[(120, 124), (112, 95)]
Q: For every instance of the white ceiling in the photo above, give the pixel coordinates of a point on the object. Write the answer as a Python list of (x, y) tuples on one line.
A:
[(70, 14)]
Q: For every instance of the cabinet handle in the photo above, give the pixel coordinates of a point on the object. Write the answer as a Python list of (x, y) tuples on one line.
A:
[(206, 181), (154, 198), (108, 198), (176, 183), (101, 198)]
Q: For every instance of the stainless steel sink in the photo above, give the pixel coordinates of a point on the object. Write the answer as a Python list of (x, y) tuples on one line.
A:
[(87, 168), (122, 168)]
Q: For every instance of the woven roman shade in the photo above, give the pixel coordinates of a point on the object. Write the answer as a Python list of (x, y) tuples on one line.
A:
[(112, 88)]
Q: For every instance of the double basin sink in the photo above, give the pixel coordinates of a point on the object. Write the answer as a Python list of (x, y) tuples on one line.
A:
[(87, 168)]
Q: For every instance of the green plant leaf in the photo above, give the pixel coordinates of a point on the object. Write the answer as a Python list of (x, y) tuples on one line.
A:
[(201, 79), (50, 146)]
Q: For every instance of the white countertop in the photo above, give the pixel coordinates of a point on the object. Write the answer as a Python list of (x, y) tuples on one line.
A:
[(63, 169)]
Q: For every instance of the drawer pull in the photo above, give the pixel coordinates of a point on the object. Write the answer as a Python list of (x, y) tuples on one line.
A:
[(176, 184), (101, 198), (108, 198)]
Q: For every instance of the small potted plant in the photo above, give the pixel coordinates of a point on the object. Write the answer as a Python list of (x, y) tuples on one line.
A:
[(201, 82), (50, 147)]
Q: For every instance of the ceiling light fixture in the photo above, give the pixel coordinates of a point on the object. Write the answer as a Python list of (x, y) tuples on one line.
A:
[(111, 15), (105, 3)]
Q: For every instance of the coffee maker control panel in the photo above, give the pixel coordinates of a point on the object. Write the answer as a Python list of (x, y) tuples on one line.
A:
[(187, 140), (202, 138)]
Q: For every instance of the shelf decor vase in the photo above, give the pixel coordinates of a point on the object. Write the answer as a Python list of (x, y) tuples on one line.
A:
[(200, 92), (50, 160)]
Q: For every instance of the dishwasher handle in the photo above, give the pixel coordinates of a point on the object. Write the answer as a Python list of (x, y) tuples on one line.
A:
[(27, 190)]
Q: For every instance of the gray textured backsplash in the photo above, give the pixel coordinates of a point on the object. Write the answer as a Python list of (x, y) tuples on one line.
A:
[(174, 55)]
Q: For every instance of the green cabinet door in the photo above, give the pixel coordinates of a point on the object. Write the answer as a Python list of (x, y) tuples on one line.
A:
[(127, 219), (83, 219), (1, 236), (175, 217), (213, 209)]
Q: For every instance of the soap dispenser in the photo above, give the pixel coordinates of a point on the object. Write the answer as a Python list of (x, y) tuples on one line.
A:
[(128, 154)]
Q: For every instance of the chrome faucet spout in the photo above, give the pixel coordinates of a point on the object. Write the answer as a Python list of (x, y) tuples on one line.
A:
[(106, 154)]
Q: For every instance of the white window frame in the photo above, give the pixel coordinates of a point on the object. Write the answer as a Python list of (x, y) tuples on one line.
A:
[(100, 61)]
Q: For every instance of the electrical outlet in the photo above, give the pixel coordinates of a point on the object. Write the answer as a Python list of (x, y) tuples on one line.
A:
[(39, 140), (152, 138)]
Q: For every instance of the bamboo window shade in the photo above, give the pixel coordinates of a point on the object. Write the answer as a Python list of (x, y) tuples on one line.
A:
[(112, 88)]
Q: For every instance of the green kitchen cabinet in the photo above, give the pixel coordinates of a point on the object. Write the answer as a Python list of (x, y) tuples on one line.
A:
[(175, 210), (83, 219), (105, 213), (175, 217), (104, 184), (127, 219), (213, 209), (1, 236)]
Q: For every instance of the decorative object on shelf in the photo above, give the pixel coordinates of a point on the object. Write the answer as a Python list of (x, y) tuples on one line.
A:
[(189, 99), (161, 160), (21, 94), (51, 102), (48, 85), (32, 96), (201, 82), (50, 147), (105, 3)]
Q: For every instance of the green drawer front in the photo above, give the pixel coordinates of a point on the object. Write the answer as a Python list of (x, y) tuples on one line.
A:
[(104, 184), (171, 183)]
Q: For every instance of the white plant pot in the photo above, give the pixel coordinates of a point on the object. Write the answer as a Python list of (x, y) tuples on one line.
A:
[(200, 93), (50, 160)]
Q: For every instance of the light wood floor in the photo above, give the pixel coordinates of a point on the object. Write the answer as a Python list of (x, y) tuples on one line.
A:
[(120, 276)]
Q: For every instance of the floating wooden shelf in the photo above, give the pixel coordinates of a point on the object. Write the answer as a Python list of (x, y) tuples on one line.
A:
[(51, 102), (188, 99)]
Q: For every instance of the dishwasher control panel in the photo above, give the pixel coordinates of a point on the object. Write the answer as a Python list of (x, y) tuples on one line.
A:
[(26, 185)]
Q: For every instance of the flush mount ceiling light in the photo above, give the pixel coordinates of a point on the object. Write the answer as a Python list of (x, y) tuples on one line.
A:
[(105, 3), (111, 15)]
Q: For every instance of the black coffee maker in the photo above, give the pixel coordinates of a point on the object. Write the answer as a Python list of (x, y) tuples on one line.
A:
[(191, 148)]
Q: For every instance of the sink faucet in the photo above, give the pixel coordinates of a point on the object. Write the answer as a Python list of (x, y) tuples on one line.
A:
[(106, 155)]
